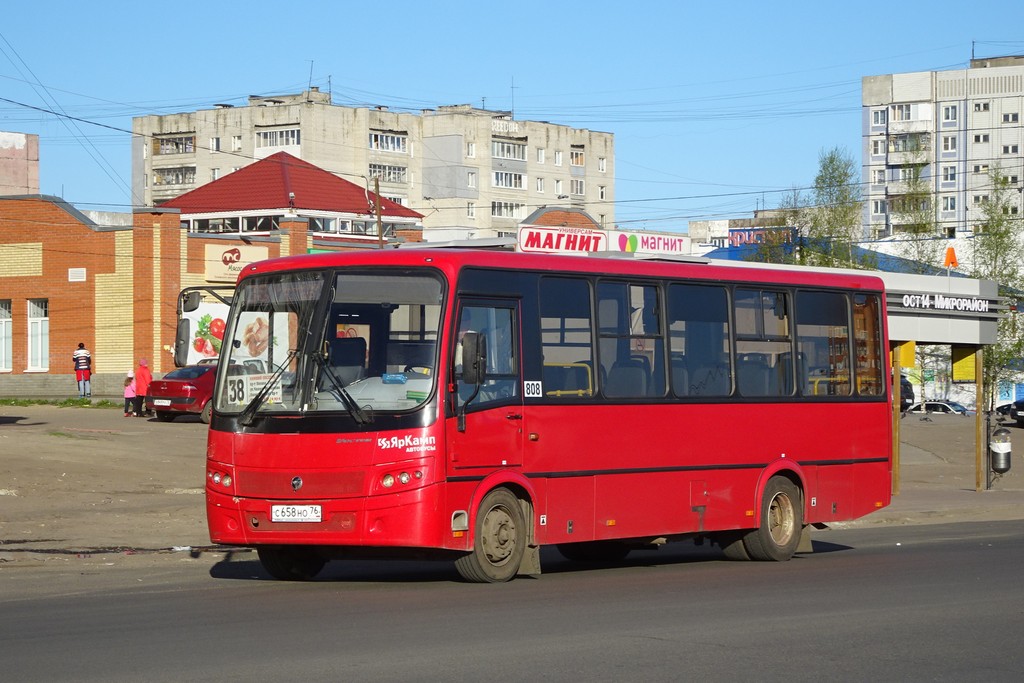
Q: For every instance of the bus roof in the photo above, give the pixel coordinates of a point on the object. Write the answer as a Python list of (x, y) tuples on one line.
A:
[(452, 261)]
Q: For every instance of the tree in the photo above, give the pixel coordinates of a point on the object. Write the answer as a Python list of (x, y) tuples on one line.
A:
[(830, 223), (997, 253), (921, 242)]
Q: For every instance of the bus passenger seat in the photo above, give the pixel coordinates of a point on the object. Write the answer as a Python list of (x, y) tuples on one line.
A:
[(627, 378)]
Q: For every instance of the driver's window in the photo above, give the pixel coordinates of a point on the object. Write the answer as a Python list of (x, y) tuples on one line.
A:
[(497, 325)]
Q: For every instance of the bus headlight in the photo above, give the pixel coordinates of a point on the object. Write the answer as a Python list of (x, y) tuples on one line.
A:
[(388, 481), (404, 477)]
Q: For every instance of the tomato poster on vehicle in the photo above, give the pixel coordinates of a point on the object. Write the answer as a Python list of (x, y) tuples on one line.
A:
[(207, 325)]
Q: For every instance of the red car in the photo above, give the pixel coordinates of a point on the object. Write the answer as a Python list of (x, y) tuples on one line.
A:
[(185, 390)]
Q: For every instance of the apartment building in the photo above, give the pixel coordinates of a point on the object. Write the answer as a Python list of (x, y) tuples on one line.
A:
[(470, 172), (942, 132)]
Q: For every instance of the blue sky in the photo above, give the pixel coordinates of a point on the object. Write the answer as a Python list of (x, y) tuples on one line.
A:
[(717, 108)]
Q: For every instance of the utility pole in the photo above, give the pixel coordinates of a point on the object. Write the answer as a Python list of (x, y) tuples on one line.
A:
[(376, 201)]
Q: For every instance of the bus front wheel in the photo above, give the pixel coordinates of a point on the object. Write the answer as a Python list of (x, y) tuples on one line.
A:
[(290, 563), (782, 518), (499, 541)]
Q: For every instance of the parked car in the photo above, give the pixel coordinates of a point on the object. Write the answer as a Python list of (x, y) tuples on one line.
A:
[(1014, 411), (181, 391), (906, 393), (947, 407)]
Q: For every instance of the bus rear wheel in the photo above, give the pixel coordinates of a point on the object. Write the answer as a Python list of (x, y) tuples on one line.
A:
[(499, 542), (288, 563), (782, 516)]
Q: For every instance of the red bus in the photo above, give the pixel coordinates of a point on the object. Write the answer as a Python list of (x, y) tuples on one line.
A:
[(477, 405)]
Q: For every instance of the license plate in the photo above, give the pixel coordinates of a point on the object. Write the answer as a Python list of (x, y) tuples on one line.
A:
[(295, 513), (161, 401)]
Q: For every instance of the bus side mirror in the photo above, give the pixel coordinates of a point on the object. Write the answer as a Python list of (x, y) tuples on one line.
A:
[(182, 340), (191, 301), (474, 357)]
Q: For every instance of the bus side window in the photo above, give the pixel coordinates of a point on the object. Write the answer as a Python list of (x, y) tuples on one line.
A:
[(698, 337)]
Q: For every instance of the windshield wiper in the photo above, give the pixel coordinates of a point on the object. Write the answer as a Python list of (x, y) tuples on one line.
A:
[(357, 413), (248, 413)]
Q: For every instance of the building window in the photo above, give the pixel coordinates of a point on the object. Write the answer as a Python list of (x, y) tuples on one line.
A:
[(558, 187), (602, 164), (540, 185), (329, 225), (949, 112), (214, 144), (576, 157), (980, 199), (878, 147), (540, 155), (181, 144), (288, 137), (1011, 118), (179, 175), (558, 158), (949, 203), (471, 179), (981, 106), (981, 168), (949, 173), (236, 143), (981, 137), (948, 143), (1010, 179), (602, 192), (389, 174), (878, 207), (906, 174), (214, 174), (1010, 149), (511, 181), (471, 150), (470, 210), (389, 142), (1010, 210), (878, 176), (508, 210), (577, 186), (901, 112), (878, 117), (38, 334), (501, 149), (6, 335)]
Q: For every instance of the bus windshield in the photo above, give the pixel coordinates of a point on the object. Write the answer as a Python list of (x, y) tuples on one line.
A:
[(354, 342)]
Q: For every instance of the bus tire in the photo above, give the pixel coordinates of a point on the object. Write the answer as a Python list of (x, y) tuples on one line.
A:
[(594, 551), (499, 540), (782, 521), (290, 563)]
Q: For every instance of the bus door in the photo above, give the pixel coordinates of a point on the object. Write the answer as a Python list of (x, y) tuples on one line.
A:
[(490, 435)]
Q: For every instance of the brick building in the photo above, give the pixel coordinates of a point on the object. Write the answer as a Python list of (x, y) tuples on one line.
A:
[(112, 281)]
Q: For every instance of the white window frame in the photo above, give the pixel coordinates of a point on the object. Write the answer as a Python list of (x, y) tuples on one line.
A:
[(878, 147), (6, 334), (558, 157), (540, 185), (577, 186), (507, 180), (278, 137), (380, 141), (981, 168), (514, 210), (981, 106), (214, 174), (602, 165), (878, 117), (602, 192), (981, 137), (540, 155), (878, 176), (949, 112), (236, 143), (471, 179), (577, 157), (948, 143), (38, 335), (506, 149), (1011, 149), (214, 144), (949, 203), (558, 187), (878, 207), (471, 150), (1011, 118), (470, 209), (901, 112), (948, 173)]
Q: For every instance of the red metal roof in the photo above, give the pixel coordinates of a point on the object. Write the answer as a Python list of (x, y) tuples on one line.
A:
[(266, 185)]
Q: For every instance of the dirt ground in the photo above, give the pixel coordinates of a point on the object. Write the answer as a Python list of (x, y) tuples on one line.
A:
[(85, 482)]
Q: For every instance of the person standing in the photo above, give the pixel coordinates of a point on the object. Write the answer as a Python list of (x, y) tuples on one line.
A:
[(82, 360), (143, 377), (129, 394)]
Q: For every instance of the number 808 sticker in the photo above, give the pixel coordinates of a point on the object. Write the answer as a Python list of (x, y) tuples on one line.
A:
[(532, 389)]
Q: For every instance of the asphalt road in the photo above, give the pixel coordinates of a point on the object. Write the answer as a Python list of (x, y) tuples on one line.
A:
[(933, 602)]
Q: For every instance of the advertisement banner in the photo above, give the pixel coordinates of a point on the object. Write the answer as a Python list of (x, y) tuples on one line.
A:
[(224, 263)]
